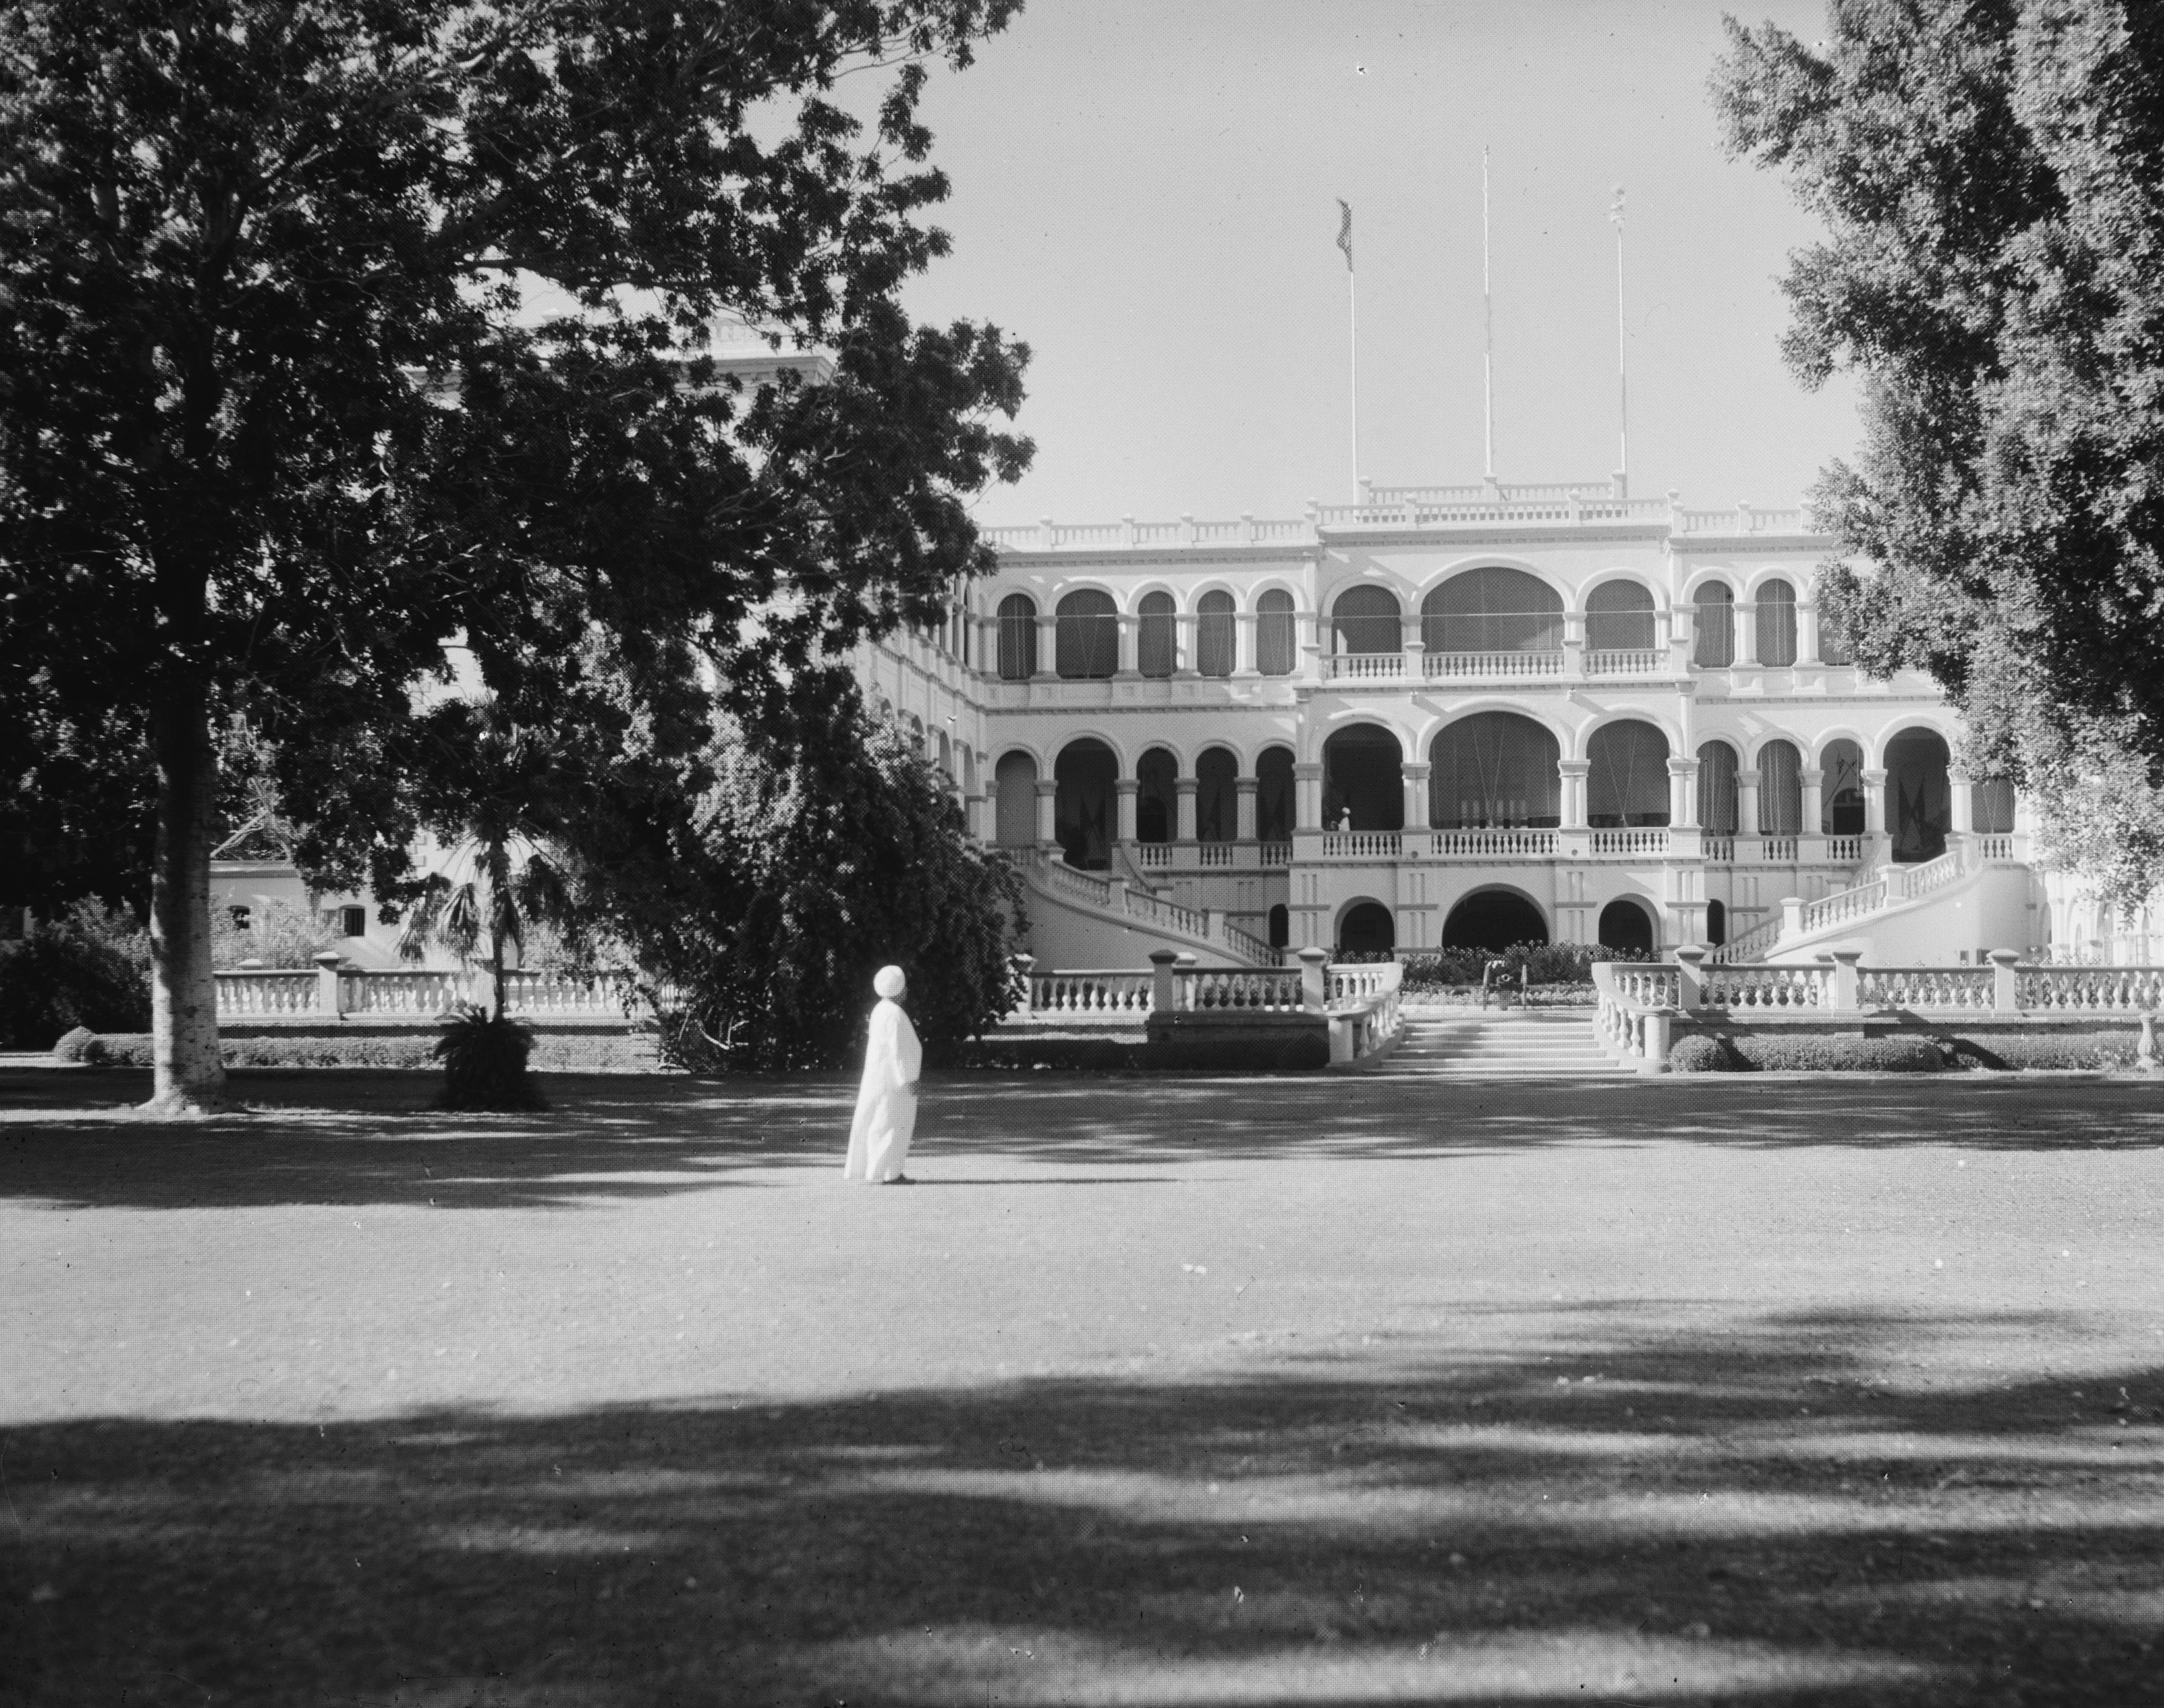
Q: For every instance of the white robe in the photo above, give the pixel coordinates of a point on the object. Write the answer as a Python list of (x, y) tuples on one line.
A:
[(886, 1102)]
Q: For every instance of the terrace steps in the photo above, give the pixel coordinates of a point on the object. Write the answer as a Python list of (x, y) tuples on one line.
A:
[(1511, 1044)]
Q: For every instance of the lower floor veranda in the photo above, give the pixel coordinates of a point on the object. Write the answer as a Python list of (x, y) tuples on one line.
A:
[(1491, 834)]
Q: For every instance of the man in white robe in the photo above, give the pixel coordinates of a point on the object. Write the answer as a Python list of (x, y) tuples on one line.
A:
[(887, 1101)]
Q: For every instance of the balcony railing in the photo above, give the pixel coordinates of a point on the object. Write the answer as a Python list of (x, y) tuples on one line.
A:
[(1612, 842), (1364, 667), (1483, 844), (1361, 844), (1491, 666), (1636, 662)]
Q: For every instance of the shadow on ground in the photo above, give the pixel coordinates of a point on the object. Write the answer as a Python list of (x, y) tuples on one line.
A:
[(358, 1138), (1639, 1515)]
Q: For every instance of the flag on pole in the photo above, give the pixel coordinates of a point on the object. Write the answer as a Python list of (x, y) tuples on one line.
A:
[(1344, 231), (1616, 207)]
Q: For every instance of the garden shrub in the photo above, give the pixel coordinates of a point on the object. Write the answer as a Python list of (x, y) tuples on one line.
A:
[(91, 967), (484, 1060), (1724, 1052), (1703, 1053), (274, 1051)]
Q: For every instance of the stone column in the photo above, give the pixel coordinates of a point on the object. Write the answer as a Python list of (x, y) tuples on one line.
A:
[(1814, 801), (1414, 774), (1574, 645), (973, 816), (1961, 799), (1243, 645), (1746, 631), (1047, 793), (1248, 788), (1183, 645), (1875, 802), (1186, 787), (1048, 646), (1307, 786), (1747, 803), (1807, 632), (1574, 774), (1130, 789), (1130, 626), (1682, 794)]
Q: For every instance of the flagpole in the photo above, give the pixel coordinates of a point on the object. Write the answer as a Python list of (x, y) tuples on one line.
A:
[(1353, 330), (1622, 361), (1487, 328)]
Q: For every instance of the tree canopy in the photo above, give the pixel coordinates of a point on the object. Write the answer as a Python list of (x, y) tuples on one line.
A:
[(275, 422), (1991, 179)]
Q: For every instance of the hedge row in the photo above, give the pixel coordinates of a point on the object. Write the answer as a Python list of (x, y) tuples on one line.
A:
[(580, 1053), (1733, 1052)]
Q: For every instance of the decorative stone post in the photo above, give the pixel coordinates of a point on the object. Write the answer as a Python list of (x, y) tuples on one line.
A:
[(1129, 788), (1814, 801), (1048, 796), (1791, 917), (1414, 774), (1690, 977), (1848, 991), (327, 985), (1248, 789), (2006, 984), (1314, 981), (1186, 787), (1164, 987), (1746, 803)]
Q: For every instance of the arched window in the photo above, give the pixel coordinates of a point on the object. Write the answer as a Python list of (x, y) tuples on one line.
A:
[(1780, 789), (1717, 924), (1088, 636), (1628, 785), (1017, 638), (1366, 620), (1626, 927), (1275, 644), (1776, 623), (1841, 790), (1216, 796), (1157, 803), (1274, 795), (1362, 785), (1280, 926), (1155, 646), (1367, 929), (1991, 806), (1619, 618), (1214, 639), (1015, 778), (1083, 813), (1495, 769), (1716, 647), (1492, 609), (1717, 788), (1917, 795)]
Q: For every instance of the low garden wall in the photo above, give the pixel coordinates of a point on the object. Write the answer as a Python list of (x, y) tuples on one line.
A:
[(572, 1044)]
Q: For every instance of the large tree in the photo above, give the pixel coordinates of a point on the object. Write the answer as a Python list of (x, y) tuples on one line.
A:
[(1990, 174), (273, 424)]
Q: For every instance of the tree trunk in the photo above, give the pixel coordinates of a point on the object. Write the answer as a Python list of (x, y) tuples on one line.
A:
[(189, 1071)]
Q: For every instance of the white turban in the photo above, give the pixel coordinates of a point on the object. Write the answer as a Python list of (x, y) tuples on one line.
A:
[(889, 982)]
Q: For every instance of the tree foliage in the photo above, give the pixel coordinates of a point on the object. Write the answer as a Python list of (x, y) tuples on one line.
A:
[(825, 847), (1991, 179), (273, 424)]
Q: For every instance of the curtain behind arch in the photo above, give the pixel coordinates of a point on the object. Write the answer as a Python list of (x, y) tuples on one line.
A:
[(1714, 649), (1217, 795), (1776, 623), (1495, 769), (1275, 644), (1717, 788), (1088, 635), (1841, 790), (1366, 620), (1154, 643), (1214, 640), (1780, 789), (1619, 618), (1017, 638), (1492, 609), (1628, 785)]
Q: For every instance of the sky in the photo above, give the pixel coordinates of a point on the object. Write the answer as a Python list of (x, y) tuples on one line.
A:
[(1146, 194)]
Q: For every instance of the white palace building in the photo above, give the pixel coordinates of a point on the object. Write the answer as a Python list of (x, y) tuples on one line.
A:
[(1460, 715)]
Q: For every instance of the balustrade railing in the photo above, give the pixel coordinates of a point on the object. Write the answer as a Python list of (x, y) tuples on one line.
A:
[(414, 993), (1213, 853), (1777, 850), (1926, 987), (1151, 855), (1717, 850), (1169, 915), (1628, 842), (267, 990), (533, 992), (1747, 944), (1932, 874), (2060, 990), (1364, 666), (1086, 886), (1845, 850), (1466, 845), (1274, 853), (1361, 844), (1110, 994), (1747, 988), (1636, 662), (1244, 941), (1490, 666), (1633, 1009), (1256, 990), (1995, 848), (1842, 906)]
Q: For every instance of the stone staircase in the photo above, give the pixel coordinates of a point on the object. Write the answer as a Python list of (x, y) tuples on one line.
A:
[(1512, 1043)]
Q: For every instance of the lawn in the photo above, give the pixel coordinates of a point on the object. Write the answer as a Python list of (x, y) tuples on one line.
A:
[(1309, 1389)]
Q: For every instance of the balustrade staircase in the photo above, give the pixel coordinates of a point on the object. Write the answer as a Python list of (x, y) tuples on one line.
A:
[(1150, 920), (1513, 1043), (1878, 893)]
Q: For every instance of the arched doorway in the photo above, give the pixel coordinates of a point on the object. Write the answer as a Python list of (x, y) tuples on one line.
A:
[(1717, 798), (1495, 769), (1280, 926), (1157, 801), (1217, 795), (1362, 785), (1780, 789), (1918, 798), (1274, 795), (1841, 788), (1628, 784), (1626, 927), (1015, 780), (1367, 928), (1492, 609), (1717, 924), (1082, 815), (1495, 919)]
